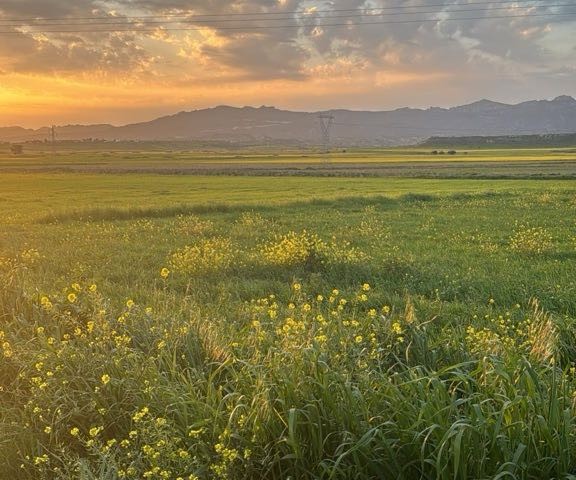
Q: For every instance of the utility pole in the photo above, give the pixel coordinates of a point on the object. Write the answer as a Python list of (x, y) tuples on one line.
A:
[(326, 123)]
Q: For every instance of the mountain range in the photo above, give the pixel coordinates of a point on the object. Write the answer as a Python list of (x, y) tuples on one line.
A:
[(269, 125)]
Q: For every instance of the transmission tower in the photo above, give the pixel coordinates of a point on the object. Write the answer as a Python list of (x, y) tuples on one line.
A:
[(326, 122), (53, 139)]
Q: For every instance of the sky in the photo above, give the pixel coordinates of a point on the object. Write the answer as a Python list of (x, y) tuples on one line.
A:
[(293, 54)]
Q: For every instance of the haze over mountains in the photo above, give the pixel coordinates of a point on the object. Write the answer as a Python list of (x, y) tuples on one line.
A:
[(269, 125)]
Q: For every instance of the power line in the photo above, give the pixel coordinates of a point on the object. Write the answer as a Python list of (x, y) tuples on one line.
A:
[(269, 27), (133, 20), (130, 22), (294, 12)]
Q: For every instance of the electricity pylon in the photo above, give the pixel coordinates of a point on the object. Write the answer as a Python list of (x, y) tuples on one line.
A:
[(326, 122), (53, 139)]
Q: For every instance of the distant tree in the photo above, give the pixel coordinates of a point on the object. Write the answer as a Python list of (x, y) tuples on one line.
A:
[(434, 152), (451, 152), (16, 149)]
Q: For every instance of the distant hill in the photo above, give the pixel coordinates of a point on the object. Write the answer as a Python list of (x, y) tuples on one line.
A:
[(269, 125)]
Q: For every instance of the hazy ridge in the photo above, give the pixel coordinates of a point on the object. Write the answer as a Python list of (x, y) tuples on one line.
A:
[(271, 125)]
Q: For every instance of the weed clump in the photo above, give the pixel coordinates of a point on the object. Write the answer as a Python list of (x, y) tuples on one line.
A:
[(206, 256), (531, 240), (251, 220), (191, 225), (308, 249), (506, 337)]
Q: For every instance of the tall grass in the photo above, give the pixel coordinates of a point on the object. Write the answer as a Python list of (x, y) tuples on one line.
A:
[(359, 338), (302, 386)]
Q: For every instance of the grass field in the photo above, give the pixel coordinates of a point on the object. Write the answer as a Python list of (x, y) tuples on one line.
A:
[(396, 162), (251, 327)]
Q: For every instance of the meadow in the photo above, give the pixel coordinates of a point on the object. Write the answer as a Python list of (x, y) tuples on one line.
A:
[(273, 327), (189, 158)]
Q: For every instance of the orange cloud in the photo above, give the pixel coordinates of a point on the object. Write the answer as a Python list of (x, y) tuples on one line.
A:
[(37, 100)]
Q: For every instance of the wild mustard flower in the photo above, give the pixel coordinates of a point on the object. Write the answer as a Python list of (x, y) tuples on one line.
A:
[(531, 240), (138, 416), (396, 328), (46, 303), (209, 255), (41, 460)]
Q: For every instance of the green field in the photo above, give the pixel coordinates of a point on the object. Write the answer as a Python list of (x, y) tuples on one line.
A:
[(183, 158), (272, 327)]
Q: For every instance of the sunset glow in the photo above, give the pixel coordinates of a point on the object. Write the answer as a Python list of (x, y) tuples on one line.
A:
[(119, 77)]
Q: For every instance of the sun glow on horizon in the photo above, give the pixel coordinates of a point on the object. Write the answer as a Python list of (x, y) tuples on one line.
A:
[(118, 78)]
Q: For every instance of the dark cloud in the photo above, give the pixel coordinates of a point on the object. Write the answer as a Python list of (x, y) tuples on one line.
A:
[(72, 53), (447, 43), (260, 59), (29, 52), (48, 8), (260, 53)]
